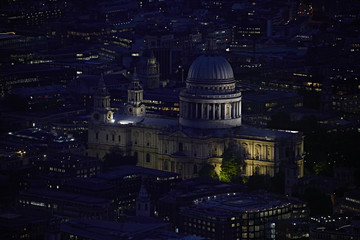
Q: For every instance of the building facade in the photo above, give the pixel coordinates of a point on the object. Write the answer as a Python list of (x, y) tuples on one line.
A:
[(209, 122), (238, 215)]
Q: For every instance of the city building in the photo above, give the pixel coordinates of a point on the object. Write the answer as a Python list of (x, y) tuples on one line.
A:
[(292, 229), (260, 105), (335, 228), (209, 122), (82, 229), (168, 206), (126, 182), (68, 165), (349, 205), (20, 224), (238, 215), (69, 205)]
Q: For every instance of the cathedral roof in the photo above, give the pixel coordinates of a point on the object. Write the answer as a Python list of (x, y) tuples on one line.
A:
[(210, 69)]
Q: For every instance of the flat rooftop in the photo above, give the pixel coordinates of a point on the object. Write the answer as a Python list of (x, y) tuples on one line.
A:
[(235, 204)]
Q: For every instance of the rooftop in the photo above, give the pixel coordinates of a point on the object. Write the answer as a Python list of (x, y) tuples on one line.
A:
[(106, 230), (126, 171), (64, 196), (172, 125), (235, 204), (265, 96)]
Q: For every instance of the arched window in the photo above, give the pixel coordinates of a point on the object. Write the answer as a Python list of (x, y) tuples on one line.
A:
[(257, 151), (148, 139), (147, 157)]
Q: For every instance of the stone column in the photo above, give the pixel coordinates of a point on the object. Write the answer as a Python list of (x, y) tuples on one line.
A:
[(232, 111), (202, 111), (196, 110), (237, 110), (219, 110), (191, 110), (221, 106), (207, 111), (213, 109)]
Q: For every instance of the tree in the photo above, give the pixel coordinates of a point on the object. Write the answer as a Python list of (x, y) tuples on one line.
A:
[(230, 167), (208, 171)]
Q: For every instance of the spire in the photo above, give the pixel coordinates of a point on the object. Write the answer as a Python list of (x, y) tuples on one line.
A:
[(135, 77), (101, 88), (143, 203), (135, 82), (143, 194)]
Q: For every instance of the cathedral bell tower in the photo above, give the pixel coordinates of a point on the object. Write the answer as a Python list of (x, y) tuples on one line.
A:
[(102, 113), (135, 106), (149, 72)]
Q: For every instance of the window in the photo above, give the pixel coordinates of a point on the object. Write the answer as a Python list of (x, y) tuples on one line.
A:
[(147, 157), (97, 136), (119, 138), (113, 137)]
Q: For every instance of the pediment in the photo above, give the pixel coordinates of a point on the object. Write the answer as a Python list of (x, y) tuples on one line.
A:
[(178, 134)]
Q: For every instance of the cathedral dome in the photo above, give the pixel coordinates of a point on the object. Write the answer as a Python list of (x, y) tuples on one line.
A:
[(210, 69), (210, 99)]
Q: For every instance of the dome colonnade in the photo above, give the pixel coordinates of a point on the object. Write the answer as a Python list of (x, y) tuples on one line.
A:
[(210, 99)]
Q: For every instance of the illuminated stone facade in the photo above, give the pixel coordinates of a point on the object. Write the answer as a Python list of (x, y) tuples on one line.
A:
[(209, 122)]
